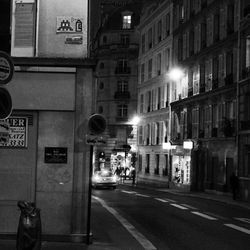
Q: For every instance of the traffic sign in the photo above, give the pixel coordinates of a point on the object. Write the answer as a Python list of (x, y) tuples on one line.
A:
[(6, 68), (4, 131), (96, 124), (5, 104)]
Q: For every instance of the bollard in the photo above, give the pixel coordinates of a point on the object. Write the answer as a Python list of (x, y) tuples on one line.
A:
[(29, 227)]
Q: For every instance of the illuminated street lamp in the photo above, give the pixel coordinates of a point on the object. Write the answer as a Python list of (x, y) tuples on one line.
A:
[(176, 74), (135, 120)]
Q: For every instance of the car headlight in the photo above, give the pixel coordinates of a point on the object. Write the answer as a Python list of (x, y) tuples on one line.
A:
[(96, 178), (114, 178)]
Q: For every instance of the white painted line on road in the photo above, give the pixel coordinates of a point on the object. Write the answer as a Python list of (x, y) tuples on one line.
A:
[(158, 199), (242, 229), (146, 244), (178, 206), (217, 216), (188, 206), (204, 216), (142, 195), (128, 192), (169, 200), (243, 219)]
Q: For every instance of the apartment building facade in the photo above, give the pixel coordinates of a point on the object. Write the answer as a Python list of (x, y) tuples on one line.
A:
[(154, 63), (115, 48), (46, 158), (204, 100), (244, 101)]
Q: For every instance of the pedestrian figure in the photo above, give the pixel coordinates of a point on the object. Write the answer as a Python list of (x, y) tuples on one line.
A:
[(133, 176), (234, 182)]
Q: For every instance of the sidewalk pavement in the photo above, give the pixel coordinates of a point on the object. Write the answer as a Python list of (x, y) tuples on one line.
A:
[(116, 237)]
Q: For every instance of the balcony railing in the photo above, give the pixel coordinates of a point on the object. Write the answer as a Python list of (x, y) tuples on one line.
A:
[(122, 95)]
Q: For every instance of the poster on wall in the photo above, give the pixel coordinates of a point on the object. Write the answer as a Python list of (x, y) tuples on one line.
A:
[(14, 132), (69, 24)]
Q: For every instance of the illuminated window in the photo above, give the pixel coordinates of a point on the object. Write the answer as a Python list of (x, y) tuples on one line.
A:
[(126, 24)]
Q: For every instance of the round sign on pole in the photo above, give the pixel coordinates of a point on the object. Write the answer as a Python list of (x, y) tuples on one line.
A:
[(97, 124), (6, 68), (5, 104)]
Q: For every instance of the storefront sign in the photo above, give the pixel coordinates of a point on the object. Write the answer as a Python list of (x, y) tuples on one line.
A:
[(18, 130), (55, 155)]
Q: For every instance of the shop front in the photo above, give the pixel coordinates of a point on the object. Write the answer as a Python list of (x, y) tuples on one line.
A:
[(181, 168)]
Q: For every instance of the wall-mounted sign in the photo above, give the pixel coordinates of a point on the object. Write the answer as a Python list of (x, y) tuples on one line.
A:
[(17, 127), (67, 24), (74, 40), (6, 68), (55, 155)]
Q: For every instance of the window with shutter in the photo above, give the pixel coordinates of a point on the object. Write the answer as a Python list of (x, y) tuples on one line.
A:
[(23, 42)]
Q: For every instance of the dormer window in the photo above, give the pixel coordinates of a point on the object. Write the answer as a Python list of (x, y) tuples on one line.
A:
[(126, 20)]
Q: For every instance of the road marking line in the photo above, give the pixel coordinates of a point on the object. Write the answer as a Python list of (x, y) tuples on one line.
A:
[(204, 216), (243, 219), (178, 206), (158, 199), (188, 206), (146, 244), (242, 229), (128, 192), (142, 195), (169, 200), (217, 216)]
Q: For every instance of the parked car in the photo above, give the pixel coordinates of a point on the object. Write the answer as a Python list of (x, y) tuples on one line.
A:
[(104, 178)]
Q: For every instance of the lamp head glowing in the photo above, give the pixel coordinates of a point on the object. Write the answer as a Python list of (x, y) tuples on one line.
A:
[(135, 120), (176, 74)]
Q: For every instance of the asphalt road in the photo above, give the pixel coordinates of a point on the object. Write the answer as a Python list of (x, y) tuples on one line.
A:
[(160, 220)]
